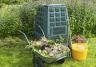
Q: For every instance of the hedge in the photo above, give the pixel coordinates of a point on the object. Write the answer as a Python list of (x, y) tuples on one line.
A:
[(9, 20), (12, 1), (27, 16), (82, 19)]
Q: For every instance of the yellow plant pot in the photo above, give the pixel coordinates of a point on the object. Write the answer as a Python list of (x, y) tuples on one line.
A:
[(79, 51)]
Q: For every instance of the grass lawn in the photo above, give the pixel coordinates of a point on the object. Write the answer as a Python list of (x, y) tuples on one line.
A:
[(14, 54)]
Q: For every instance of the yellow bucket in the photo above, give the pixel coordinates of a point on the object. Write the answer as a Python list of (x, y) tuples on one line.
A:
[(79, 51)]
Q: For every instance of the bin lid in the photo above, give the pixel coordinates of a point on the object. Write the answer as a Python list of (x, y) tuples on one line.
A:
[(54, 5)]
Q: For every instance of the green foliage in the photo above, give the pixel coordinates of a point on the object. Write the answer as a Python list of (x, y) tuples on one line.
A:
[(13, 1), (9, 20), (27, 15), (61, 39), (82, 19), (17, 17)]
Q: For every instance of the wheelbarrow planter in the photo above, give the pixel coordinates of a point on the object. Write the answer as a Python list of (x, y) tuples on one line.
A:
[(40, 58), (52, 59)]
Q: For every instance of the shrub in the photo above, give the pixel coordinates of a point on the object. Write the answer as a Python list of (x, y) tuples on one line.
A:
[(27, 14), (13, 1), (82, 19), (9, 20)]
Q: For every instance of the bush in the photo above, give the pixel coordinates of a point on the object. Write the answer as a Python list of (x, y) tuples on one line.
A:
[(13, 1), (27, 14), (82, 19), (17, 17), (9, 20)]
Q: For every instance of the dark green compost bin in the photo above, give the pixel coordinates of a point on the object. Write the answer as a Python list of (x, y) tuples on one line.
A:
[(53, 19)]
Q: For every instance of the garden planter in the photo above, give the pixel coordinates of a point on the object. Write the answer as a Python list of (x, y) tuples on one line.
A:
[(52, 59), (79, 51)]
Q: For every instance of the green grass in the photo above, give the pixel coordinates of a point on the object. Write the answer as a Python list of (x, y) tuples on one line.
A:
[(14, 54)]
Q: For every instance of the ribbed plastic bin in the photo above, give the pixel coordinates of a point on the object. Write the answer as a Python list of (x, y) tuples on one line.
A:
[(79, 51), (53, 19)]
